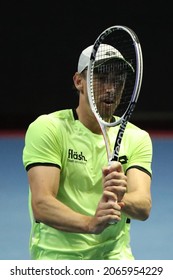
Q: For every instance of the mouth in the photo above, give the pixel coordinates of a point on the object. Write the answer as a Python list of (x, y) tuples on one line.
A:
[(108, 99)]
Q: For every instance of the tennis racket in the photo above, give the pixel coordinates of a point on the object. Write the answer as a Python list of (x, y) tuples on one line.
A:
[(114, 78)]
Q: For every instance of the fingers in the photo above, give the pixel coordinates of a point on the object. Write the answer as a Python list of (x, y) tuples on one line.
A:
[(114, 177), (113, 172), (113, 166), (114, 180), (109, 195), (108, 211), (109, 208)]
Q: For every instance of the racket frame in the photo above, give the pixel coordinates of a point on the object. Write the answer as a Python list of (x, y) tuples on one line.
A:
[(122, 121)]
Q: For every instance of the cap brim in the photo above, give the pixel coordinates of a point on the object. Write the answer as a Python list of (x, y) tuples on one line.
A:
[(127, 65)]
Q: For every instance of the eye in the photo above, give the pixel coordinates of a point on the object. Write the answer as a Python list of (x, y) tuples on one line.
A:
[(103, 78), (114, 78)]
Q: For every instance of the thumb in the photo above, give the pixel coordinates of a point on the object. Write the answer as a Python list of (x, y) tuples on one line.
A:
[(121, 204), (115, 165)]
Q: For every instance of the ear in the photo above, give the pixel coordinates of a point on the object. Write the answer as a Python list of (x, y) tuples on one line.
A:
[(78, 81)]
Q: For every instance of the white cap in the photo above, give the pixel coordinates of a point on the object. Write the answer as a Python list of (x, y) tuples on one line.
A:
[(106, 52)]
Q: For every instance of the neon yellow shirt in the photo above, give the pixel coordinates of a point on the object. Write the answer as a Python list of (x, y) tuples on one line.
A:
[(60, 139)]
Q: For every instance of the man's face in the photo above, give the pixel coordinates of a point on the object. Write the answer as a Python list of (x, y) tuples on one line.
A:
[(108, 86)]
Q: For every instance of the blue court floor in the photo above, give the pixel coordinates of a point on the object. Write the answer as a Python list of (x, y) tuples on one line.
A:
[(152, 239)]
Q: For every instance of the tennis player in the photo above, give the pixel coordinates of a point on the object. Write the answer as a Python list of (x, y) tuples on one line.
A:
[(72, 190)]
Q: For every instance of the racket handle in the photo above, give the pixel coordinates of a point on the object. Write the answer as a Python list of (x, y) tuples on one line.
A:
[(113, 222)]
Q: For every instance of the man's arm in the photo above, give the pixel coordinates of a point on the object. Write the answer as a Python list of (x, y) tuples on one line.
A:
[(44, 185), (137, 196), (137, 200)]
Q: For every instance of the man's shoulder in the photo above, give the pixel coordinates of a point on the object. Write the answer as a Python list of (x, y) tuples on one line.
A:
[(55, 116), (65, 114), (51, 121), (136, 132)]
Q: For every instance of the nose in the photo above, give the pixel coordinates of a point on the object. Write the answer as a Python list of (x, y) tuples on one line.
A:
[(110, 83), (110, 88)]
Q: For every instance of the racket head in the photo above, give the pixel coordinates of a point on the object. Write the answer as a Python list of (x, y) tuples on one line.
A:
[(114, 75)]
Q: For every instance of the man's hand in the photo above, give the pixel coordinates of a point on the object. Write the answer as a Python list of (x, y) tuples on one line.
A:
[(107, 210), (114, 181), (110, 205)]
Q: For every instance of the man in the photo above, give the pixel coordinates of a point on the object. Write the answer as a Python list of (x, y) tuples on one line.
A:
[(74, 194)]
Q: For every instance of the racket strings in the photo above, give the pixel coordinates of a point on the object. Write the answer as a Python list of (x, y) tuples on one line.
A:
[(112, 91), (113, 75)]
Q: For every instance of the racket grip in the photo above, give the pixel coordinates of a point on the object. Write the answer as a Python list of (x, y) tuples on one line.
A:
[(113, 222)]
